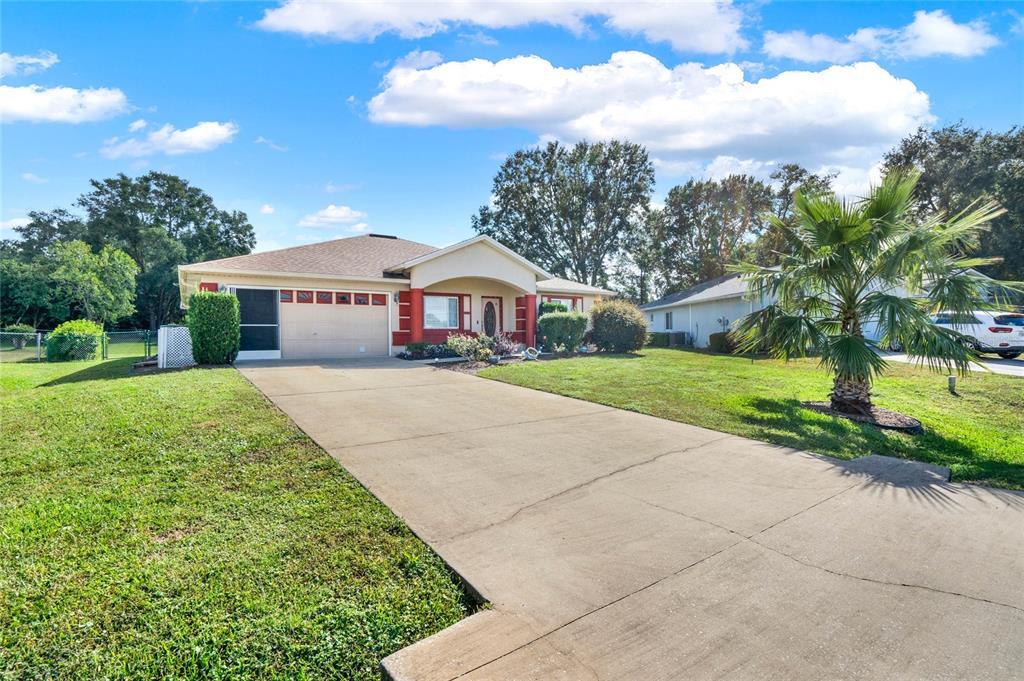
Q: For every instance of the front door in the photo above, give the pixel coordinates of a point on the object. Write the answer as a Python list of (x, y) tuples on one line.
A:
[(492, 315)]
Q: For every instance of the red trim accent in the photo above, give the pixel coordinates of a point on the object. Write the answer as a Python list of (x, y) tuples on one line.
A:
[(400, 337), (379, 299), (304, 297), (575, 307), (209, 286), (342, 298), (416, 315), (324, 297), (361, 298), (287, 296), (531, 318)]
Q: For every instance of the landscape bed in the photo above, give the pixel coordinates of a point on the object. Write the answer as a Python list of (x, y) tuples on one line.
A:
[(979, 434), (176, 525)]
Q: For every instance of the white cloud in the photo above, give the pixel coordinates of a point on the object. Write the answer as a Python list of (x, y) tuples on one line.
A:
[(929, 34), (263, 140), (267, 209), (203, 136), (419, 60), (711, 26), (478, 38), (137, 125), (21, 64), (33, 178), (359, 227), (12, 223), (331, 217), (840, 116), (59, 104)]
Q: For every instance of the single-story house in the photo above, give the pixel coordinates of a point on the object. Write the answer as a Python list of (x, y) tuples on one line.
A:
[(714, 306), (371, 295)]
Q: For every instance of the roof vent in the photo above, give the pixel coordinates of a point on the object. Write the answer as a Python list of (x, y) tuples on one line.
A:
[(383, 236)]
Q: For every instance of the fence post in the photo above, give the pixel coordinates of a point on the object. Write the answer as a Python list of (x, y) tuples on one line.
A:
[(39, 347)]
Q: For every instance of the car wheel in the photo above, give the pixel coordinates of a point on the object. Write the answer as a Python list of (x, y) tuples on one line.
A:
[(1009, 355)]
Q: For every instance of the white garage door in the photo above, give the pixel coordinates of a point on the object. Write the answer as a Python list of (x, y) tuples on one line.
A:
[(323, 330)]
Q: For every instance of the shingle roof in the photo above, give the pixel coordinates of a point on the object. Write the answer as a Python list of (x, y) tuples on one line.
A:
[(569, 286), (720, 287), (357, 256)]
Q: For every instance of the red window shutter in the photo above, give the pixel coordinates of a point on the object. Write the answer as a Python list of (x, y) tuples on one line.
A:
[(209, 286)]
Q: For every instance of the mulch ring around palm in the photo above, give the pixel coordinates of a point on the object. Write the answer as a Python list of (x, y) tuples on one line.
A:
[(876, 416)]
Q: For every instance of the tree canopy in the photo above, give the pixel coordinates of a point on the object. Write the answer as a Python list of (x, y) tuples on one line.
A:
[(159, 220), (570, 209)]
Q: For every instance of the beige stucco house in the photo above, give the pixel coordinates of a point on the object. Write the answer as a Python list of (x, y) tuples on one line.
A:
[(371, 295)]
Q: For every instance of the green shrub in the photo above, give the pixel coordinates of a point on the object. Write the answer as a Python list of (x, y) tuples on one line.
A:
[(213, 323), (562, 331), (657, 339), (76, 339), (416, 348), (550, 306), (721, 342), (471, 347), (618, 326), (25, 333)]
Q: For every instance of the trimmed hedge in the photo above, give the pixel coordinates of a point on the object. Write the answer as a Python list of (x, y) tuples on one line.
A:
[(721, 342), (549, 306), (76, 339), (619, 326), (213, 322), (563, 330)]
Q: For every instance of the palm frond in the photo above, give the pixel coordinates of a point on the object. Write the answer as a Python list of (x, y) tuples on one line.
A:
[(852, 356), (940, 349)]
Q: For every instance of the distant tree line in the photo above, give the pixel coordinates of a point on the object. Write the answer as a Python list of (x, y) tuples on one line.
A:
[(584, 212), (115, 258)]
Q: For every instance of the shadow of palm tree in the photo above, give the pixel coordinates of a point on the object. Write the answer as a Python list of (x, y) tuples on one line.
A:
[(786, 422)]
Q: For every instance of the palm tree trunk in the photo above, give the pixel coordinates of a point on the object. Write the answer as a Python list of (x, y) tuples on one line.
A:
[(851, 394)]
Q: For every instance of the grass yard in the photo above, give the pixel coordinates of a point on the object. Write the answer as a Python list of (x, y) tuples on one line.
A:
[(176, 525), (979, 435)]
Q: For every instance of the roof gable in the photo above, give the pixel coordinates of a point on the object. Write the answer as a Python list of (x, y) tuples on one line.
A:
[(357, 256), (481, 238), (726, 286)]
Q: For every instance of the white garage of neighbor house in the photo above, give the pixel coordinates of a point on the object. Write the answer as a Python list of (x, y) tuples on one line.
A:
[(714, 306), (370, 295)]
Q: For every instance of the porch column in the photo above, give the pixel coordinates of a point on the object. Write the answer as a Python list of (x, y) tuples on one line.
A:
[(531, 319), (416, 315)]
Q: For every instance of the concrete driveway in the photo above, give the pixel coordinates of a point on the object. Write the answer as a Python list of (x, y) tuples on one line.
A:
[(992, 363), (613, 545)]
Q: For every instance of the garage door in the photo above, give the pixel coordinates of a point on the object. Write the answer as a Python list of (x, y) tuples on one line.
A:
[(334, 325)]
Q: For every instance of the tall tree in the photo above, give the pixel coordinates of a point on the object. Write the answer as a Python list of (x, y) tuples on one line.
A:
[(570, 209), (771, 246), (99, 286), (636, 267), (706, 224), (960, 165), (160, 220), (851, 267)]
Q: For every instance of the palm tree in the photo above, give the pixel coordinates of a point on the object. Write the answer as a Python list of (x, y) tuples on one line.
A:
[(869, 261)]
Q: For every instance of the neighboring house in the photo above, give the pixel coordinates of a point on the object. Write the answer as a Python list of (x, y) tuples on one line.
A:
[(714, 306), (371, 295)]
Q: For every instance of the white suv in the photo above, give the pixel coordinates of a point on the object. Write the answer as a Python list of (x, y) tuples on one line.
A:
[(998, 332)]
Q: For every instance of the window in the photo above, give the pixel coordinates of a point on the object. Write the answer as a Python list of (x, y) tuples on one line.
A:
[(953, 319), (362, 298), (343, 298), (303, 296), (652, 316), (286, 296), (570, 303), (324, 297), (379, 299), (209, 286), (440, 312), (668, 320), (1010, 320)]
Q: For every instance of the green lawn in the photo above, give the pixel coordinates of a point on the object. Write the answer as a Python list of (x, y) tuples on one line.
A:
[(979, 435), (176, 525)]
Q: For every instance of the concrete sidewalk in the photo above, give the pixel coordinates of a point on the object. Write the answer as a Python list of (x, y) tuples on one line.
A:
[(614, 545)]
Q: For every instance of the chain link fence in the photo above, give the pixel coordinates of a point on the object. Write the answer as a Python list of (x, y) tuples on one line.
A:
[(20, 346)]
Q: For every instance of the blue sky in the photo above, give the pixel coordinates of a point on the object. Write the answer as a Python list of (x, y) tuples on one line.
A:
[(326, 120)]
